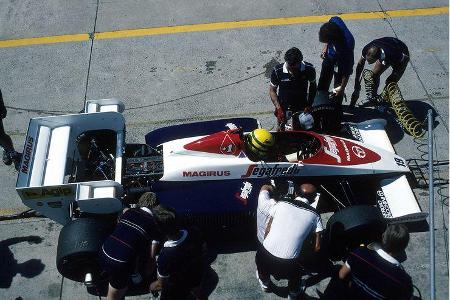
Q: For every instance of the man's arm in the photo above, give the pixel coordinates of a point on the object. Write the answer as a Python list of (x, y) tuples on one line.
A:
[(344, 272), (273, 96), (269, 224), (155, 248), (357, 88), (359, 68), (158, 284), (312, 92), (339, 91), (317, 243)]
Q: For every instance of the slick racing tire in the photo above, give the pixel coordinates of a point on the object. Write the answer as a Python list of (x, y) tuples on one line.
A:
[(78, 245), (352, 226)]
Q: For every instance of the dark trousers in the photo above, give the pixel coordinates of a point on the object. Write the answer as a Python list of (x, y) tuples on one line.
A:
[(5, 140), (326, 75), (289, 269)]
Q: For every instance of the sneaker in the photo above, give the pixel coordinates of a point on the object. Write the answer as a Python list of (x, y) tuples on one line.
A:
[(7, 159), (265, 286)]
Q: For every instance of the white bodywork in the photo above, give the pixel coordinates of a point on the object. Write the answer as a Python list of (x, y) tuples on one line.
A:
[(49, 151)]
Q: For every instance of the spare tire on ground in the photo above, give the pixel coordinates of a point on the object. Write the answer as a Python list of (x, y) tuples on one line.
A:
[(78, 245)]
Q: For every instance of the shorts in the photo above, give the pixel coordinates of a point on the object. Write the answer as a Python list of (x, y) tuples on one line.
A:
[(119, 274), (279, 268)]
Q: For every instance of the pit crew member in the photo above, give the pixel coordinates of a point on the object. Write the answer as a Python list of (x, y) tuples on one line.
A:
[(293, 221), (337, 53), (384, 52), (180, 266), (375, 271), (9, 154), (136, 236), (292, 86)]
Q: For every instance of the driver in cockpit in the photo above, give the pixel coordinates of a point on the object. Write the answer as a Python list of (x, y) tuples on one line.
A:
[(259, 145)]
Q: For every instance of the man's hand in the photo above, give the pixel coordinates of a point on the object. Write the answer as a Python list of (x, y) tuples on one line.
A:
[(339, 91), (307, 109), (279, 113)]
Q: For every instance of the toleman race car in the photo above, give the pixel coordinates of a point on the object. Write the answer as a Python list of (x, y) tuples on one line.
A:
[(78, 170)]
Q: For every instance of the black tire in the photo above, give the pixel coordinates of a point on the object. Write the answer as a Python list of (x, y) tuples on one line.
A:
[(352, 226), (78, 245)]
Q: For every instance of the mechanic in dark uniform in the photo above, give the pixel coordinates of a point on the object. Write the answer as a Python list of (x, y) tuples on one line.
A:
[(295, 81), (180, 266), (384, 52), (9, 154), (375, 272), (291, 225), (337, 53), (136, 236)]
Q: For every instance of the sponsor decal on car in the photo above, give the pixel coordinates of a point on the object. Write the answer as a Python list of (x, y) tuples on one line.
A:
[(27, 155), (246, 189), (347, 152), (358, 151), (206, 173), (332, 149), (47, 192), (383, 205), (355, 133), (228, 146), (272, 171)]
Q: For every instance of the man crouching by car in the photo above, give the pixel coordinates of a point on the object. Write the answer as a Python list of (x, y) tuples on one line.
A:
[(135, 236), (180, 267)]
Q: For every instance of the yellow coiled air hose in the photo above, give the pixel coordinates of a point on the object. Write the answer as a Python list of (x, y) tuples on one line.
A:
[(391, 93)]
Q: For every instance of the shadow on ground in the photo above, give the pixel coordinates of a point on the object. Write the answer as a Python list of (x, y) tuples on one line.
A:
[(9, 267)]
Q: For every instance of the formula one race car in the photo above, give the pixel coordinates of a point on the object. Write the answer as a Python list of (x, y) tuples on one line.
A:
[(77, 170)]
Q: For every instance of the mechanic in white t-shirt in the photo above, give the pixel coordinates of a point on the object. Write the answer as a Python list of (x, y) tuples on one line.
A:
[(291, 224)]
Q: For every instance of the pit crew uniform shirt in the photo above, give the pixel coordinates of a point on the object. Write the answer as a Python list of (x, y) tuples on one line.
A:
[(180, 263), (293, 90), (342, 54), (131, 238), (263, 212), (393, 51), (377, 275), (292, 222)]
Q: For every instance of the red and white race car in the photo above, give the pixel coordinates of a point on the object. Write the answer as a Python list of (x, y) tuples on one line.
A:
[(78, 167)]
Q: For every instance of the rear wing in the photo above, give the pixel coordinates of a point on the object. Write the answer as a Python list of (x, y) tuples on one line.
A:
[(50, 152), (395, 198)]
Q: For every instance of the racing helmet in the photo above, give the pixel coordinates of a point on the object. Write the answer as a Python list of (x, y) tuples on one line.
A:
[(260, 141)]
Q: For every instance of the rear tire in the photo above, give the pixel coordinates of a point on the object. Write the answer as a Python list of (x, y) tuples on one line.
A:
[(78, 246), (352, 226)]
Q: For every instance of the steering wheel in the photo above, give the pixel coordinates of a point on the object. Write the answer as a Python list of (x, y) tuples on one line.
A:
[(302, 152)]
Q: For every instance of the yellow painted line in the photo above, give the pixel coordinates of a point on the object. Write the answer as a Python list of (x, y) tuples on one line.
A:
[(221, 26), (267, 22), (81, 37), (11, 211)]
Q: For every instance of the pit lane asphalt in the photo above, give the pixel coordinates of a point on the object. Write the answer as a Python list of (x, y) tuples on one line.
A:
[(189, 76)]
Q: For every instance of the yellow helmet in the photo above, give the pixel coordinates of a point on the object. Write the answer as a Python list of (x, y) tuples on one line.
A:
[(260, 140)]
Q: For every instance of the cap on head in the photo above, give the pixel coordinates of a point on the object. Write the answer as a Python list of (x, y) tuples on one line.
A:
[(260, 141)]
